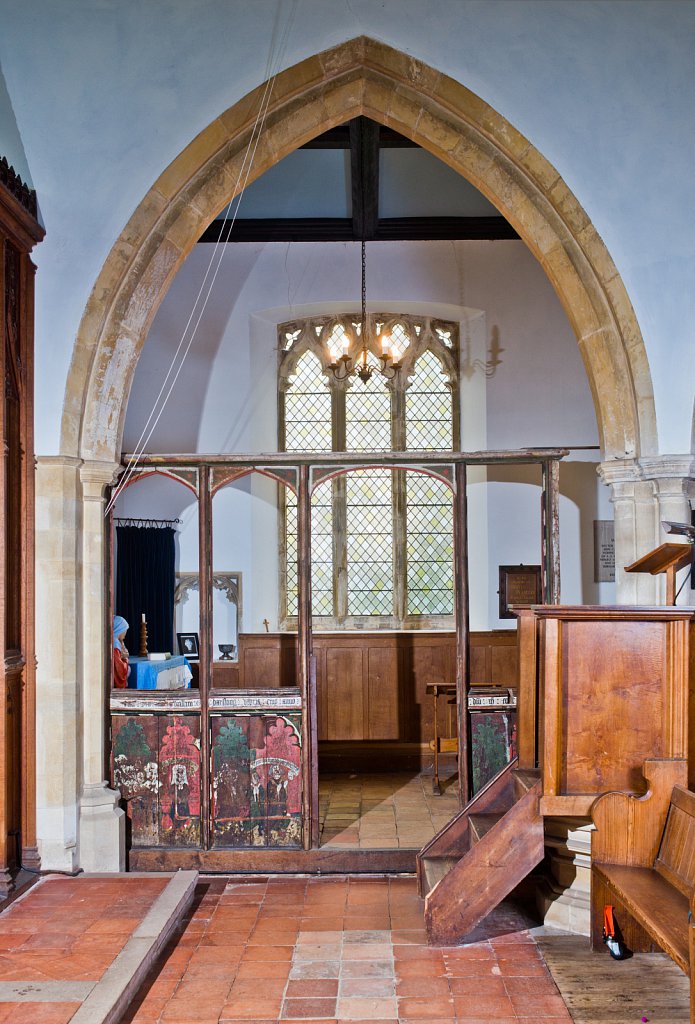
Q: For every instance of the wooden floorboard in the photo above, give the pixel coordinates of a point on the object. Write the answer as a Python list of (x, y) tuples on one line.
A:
[(600, 990)]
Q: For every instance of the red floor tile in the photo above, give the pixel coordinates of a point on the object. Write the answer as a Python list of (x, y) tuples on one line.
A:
[(426, 1009), (312, 987), (484, 1006)]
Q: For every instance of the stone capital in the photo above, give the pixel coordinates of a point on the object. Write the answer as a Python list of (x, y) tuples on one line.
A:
[(95, 475), (667, 467), (617, 472)]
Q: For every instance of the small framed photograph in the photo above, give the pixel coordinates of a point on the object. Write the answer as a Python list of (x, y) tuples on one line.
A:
[(188, 645), (519, 584)]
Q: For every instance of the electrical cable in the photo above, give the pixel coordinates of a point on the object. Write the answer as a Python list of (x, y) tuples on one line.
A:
[(274, 64), (688, 577)]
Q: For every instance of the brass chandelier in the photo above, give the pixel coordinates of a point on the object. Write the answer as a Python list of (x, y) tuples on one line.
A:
[(345, 365)]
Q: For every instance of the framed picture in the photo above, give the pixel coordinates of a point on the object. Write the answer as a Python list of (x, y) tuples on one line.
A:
[(519, 584), (188, 645)]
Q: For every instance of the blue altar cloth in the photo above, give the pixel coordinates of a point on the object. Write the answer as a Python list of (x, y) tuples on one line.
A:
[(173, 674)]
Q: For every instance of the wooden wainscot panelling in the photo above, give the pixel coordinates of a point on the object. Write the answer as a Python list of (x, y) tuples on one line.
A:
[(372, 686), (345, 693), (267, 660), (383, 696), (226, 675), (614, 685)]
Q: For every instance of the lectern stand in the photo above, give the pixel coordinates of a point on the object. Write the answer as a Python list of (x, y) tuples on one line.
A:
[(668, 558)]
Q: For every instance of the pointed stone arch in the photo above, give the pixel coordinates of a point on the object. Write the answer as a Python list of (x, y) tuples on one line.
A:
[(358, 77)]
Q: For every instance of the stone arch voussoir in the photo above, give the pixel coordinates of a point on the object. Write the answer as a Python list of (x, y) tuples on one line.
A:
[(358, 77)]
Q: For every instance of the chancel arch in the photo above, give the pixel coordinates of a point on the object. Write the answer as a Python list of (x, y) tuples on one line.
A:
[(355, 78), (361, 77)]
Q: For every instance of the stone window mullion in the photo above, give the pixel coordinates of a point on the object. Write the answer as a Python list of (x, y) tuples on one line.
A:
[(400, 511), (340, 579)]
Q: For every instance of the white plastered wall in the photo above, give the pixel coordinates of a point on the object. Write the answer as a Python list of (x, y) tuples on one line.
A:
[(226, 397)]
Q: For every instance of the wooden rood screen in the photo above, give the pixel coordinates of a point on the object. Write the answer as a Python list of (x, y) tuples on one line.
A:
[(196, 803)]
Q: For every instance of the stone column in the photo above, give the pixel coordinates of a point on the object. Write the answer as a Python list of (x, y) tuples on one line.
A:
[(101, 821), (58, 742), (672, 477), (636, 528), (564, 896), (644, 492)]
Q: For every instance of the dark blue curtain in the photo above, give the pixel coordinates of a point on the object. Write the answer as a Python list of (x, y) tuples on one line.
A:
[(145, 578)]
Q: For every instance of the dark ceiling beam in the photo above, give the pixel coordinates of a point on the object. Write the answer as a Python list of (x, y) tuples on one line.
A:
[(437, 228), (341, 229), (339, 138), (364, 171)]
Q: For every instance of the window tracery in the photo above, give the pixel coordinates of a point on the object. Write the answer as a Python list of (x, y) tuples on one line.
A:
[(382, 540)]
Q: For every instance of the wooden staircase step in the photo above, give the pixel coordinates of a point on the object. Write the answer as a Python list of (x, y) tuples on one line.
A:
[(436, 868), (469, 886), (525, 779), (479, 824)]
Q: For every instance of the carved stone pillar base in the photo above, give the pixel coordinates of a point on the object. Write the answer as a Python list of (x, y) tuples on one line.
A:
[(31, 858), (102, 830), (564, 897)]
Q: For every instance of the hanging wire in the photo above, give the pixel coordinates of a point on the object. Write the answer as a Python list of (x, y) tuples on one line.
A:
[(274, 64)]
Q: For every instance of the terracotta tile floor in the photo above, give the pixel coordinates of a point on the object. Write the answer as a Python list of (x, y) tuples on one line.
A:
[(68, 930), (341, 950), (383, 811)]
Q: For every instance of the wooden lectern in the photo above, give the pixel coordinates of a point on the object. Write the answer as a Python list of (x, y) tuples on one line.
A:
[(668, 558)]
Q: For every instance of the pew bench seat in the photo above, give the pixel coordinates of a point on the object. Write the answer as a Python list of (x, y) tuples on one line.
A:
[(656, 905)]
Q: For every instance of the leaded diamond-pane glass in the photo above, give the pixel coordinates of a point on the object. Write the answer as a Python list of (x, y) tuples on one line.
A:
[(428, 414), (308, 408), (368, 413), (291, 577), (369, 542), (336, 341), (430, 546), (399, 340), (322, 549)]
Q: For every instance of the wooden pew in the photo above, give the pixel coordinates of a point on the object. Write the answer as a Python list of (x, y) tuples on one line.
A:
[(643, 863)]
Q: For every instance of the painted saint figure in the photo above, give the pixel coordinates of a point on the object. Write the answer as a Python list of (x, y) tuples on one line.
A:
[(257, 796), (121, 667)]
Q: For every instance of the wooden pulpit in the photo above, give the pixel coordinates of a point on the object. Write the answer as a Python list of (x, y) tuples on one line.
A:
[(668, 558)]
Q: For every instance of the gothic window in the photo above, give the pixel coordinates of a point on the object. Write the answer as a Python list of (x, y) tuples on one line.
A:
[(382, 540)]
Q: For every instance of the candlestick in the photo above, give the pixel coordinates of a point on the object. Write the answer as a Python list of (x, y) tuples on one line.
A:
[(143, 637)]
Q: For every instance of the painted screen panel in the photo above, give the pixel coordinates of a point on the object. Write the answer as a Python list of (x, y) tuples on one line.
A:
[(256, 780), (155, 763)]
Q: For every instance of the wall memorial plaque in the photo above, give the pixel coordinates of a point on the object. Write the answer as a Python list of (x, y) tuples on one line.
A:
[(604, 551), (519, 584)]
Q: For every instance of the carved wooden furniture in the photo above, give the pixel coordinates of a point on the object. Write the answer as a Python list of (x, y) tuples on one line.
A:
[(19, 232), (667, 558), (447, 744), (481, 854), (643, 864), (611, 688), (601, 691)]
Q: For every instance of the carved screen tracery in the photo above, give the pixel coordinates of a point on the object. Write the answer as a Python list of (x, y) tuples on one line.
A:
[(382, 543)]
